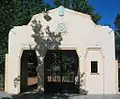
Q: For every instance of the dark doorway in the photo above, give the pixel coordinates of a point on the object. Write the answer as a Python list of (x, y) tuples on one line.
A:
[(28, 78), (60, 69)]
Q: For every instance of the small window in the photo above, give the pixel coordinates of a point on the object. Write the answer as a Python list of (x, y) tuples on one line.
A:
[(94, 67)]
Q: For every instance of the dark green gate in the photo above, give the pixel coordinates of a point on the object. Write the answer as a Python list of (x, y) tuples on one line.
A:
[(60, 69)]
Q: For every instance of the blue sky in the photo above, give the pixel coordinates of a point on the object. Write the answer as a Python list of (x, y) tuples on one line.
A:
[(106, 8)]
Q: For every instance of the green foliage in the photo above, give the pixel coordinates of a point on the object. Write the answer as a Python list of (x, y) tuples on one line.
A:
[(49, 40), (44, 40), (117, 36), (16, 13), (80, 6), (117, 21)]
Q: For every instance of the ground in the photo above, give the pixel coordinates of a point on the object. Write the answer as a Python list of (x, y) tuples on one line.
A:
[(33, 95), (32, 80)]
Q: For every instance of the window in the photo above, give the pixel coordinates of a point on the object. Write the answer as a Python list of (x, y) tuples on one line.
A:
[(94, 67)]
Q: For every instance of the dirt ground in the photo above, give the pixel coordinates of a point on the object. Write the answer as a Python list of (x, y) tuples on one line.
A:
[(32, 80)]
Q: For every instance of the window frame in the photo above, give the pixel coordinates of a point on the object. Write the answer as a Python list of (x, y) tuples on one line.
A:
[(94, 64)]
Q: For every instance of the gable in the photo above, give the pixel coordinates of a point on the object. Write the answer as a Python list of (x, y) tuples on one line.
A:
[(71, 19), (78, 26), (68, 14)]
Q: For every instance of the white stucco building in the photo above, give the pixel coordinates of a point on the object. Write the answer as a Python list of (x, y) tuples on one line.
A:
[(94, 44)]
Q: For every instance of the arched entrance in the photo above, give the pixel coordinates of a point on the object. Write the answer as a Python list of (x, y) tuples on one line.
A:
[(28, 74), (60, 70)]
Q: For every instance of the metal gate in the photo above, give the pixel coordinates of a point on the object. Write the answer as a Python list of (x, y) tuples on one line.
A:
[(60, 69)]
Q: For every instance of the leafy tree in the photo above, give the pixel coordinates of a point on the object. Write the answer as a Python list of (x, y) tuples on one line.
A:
[(117, 21), (16, 13), (80, 6), (117, 35), (47, 40), (44, 41)]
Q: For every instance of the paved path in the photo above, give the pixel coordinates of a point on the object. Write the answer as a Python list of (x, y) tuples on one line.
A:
[(64, 96), (30, 95), (4, 94)]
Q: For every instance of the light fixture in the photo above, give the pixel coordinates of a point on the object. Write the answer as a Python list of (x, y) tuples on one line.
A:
[(46, 16)]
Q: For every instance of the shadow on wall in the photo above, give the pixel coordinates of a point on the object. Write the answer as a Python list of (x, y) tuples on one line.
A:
[(46, 40)]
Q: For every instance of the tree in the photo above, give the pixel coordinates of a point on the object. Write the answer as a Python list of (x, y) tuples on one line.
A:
[(117, 35), (117, 21), (16, 13), (44, 41), (80, 6), (49, 40)]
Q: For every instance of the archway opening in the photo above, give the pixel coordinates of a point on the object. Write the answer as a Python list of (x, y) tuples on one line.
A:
[(60, 70), (28, 73)]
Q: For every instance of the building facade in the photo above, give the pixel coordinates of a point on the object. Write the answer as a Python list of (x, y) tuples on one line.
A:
[(94, 44)]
